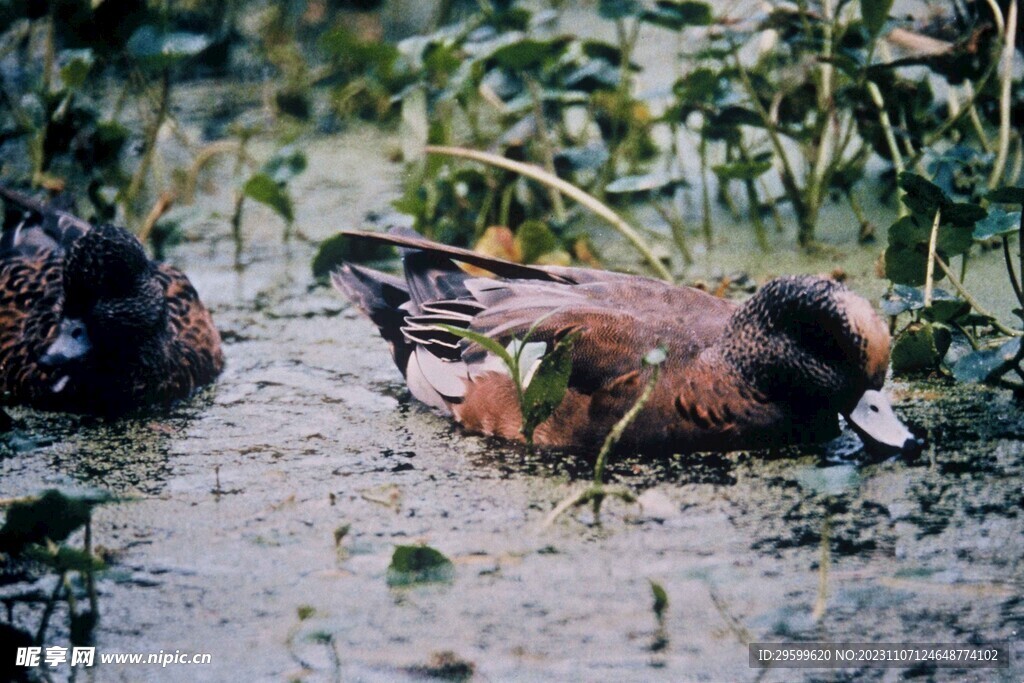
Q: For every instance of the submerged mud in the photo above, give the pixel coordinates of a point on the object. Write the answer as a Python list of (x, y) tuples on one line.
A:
[(230, 538)]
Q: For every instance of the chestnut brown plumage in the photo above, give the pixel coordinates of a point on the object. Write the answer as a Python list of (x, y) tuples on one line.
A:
[(778, 369), (88, 323)]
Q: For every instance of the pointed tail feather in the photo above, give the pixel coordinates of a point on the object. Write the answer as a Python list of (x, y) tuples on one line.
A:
[(380, 297)]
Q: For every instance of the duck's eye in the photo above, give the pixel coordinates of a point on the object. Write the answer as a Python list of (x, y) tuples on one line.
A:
[(77, 333)]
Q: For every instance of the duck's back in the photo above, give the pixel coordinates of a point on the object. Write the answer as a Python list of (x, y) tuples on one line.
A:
[(30, 299)]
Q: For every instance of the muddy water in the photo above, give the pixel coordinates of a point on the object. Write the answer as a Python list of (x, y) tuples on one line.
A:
[(232, 502)]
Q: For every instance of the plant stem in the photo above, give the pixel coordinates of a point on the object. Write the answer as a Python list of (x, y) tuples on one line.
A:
[(131, 194), (929, 273), (890, 137), (544, 140), (705, 192), (620, 427), (1008, 34), (789, 182), (1011, 271), (540, 175), (958, 286)]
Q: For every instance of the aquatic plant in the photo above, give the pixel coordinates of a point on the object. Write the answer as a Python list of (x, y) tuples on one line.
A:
[(943, 327), (88, 105), (35, 543)]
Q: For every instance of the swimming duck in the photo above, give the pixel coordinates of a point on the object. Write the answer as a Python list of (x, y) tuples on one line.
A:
[(88, 323), (776, 370)]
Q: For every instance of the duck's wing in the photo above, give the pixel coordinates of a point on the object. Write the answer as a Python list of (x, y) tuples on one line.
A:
[(40, 227)]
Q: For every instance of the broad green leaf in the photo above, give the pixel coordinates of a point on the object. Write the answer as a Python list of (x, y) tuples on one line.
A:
[(997, 224), (412, 564), (548, 386), (983, 366), (262, 188), (76, 67), (677, 15), (901, 299), (909, 231), (953, 240), (915, 349), (340, 249), (528, 53), (619, 9), (875, 13), (962, 214), (742, 170), (52, 516), (1007, 195), (906, 265), (535, 239), (922, 196)]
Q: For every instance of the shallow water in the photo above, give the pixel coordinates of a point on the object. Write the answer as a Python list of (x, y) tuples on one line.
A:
[(233, 500)]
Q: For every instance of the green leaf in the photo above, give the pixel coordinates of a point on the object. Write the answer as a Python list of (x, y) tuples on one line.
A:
[(922, 196), (619, 9), (76, 67), (535, 239), (997, 224), (412, 564), (341, 249), (528, 53), (742, 170), (901, 299), (906, 265), (548, 386), (52, 516), (909, 231), (962, 215), (649, 182), (677, 15), (64, 559), (489, 344), (875, 13), (1007, 195), (262, 188), (915, 350), (155, 49), (987, 365), (286, 163), (660, 599)]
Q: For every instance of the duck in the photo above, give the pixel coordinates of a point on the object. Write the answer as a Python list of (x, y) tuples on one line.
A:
[(89, 323), (778, 369)]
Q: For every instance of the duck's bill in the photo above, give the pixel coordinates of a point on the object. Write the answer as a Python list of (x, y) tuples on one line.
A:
[(72, 343), (878, 427)]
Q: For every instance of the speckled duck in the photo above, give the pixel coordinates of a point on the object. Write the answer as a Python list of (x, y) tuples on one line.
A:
[(88, 323), (778, 369)]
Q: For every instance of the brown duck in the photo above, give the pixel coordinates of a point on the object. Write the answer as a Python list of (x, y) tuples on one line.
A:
[(775, 370), (88, 323)]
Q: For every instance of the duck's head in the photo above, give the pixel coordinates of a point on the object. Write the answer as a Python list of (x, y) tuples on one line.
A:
[(113, 305), (812, 343)]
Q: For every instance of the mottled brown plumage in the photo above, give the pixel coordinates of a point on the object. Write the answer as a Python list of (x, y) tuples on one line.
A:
[(779, 369), (88, 323)]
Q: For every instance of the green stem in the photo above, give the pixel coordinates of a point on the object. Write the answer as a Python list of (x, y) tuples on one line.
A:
[(546, 148), (620, 427), (929, 276), (135, 187), (958, 286), (1014, 282)]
